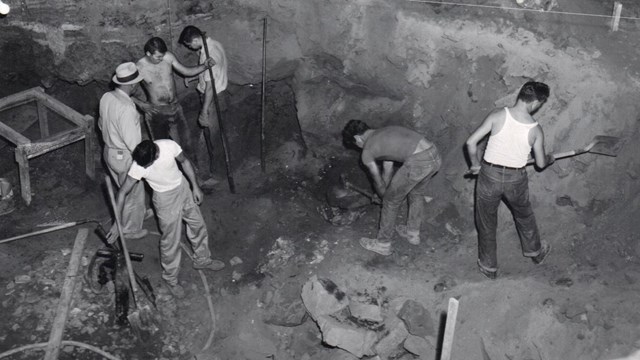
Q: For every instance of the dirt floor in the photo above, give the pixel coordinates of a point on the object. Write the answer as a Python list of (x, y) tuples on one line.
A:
[(580, 304)]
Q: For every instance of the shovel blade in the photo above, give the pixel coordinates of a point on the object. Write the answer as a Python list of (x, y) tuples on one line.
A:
[(606, 145)]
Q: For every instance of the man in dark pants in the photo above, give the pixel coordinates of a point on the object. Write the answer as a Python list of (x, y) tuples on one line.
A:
[(420, 160), (503, 176)]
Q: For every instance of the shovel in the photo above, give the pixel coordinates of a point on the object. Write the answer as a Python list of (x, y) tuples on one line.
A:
[(347, 184), (141, 320), (601, 144)]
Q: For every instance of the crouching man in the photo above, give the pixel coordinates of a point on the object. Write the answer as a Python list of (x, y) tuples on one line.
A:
[(157, 163), (420, 160)]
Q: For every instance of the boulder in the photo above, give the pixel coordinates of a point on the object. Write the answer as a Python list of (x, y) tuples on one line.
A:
[(390, 343), (284, 307), (357, 341), (322, 297), (420, 346), (417, 319)]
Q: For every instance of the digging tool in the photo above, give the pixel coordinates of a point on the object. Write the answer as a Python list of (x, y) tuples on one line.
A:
[(449, 329), (601, 144), (48, 230), (347, 184), (263, 95), (141, 319), (223, 136)]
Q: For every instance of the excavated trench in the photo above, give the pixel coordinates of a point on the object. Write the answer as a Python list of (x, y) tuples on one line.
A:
[(438, 68)]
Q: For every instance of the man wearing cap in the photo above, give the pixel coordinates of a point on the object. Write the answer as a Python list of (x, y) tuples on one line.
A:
[(191, 37), (120, 125), (163, 109)]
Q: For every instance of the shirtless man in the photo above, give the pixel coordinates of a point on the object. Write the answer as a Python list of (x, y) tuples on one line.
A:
[(420, 160), (162, 108), (503, 175)]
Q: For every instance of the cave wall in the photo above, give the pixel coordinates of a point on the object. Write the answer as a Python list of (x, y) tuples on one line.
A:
[(437, 68)]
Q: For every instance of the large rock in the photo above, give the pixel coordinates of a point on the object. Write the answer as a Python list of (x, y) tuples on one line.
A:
[(323, 297), (417, 319), (390, 343), (365, 312), (284, 307), (420, 346), (357, 341)]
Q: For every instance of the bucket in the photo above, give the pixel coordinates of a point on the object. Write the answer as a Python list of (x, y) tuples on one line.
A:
[(7, 202)]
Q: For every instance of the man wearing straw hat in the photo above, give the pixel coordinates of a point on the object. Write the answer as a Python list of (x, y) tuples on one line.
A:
[(120, 125)]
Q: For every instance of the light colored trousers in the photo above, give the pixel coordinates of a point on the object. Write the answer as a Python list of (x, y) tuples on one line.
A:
[(173, 207), (119, 161)]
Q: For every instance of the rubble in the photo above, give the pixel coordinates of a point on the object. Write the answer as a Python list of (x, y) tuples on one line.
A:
[(417, 319)]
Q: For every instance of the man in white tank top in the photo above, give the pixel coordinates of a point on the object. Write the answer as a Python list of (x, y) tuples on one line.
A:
[(502, 175)]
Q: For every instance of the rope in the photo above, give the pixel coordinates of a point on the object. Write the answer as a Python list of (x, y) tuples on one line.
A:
[(39, 346), (521, 9)]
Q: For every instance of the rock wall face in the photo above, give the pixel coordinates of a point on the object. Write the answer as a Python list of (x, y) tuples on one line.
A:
[(437, 68)]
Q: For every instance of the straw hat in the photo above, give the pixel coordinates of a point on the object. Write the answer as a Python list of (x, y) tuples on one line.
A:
[(127, 74)]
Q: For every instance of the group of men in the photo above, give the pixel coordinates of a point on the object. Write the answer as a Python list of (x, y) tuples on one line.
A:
[(130, 159), (513, 134)]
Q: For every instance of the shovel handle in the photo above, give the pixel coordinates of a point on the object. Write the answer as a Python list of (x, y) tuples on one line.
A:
[(127, 259)]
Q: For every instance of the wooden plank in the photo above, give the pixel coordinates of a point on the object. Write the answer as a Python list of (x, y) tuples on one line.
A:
[(617, 10), (449, 329), (23, 167), (13, 136), (60, 108), (54, 142), (42, 119), (57, 329), (19, 98)]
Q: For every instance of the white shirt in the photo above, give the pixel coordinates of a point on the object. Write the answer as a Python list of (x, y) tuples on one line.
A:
[(119, 121), (510, 146), (219, 70), (163, 174)]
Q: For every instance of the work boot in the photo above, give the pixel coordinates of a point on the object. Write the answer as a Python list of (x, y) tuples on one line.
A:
[(412, 236), (136, 235), (490, 274), (382, 248), (177, 291), (209, 264), (539, 259)]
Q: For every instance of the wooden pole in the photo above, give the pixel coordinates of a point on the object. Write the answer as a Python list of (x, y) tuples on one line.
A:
[(223, 134), (57, 329), (449, 328), (264, 87)]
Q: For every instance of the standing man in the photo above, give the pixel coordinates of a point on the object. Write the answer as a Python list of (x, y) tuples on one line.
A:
[(163, 109), (120, 125), (191, 37), (420, 160), (157, 162), (502, 175)]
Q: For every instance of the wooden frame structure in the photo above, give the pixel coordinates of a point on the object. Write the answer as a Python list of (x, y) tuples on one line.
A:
[(27, 149)]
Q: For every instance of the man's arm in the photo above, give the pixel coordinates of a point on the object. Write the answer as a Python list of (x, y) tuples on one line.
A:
[(378, 183), (475, 137), (130, 133), (186, 70), (387, 171), (187, 168), (542, 160)]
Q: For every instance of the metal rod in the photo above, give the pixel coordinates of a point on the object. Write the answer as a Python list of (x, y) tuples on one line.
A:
[(264, 87)]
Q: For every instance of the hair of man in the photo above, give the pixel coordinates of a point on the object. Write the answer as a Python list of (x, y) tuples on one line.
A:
[(532, 91), (353, 128), (189, 33), (155, 44), (145, 153)]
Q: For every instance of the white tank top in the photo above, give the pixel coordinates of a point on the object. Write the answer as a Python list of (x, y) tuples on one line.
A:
[(510, 146)]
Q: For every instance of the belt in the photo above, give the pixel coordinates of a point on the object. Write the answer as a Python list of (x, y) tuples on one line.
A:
[(501, 166)]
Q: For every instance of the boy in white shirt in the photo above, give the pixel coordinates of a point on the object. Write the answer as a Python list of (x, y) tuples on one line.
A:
[(156, 162)]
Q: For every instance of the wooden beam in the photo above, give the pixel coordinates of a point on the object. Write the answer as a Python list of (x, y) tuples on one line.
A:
[(42, 119), (57, 329), (60, 108), (10, 134), (23, 167), (54, 142), (16, 99)]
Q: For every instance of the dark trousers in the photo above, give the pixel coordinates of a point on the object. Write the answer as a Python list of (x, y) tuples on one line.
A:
[(496, 183)]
